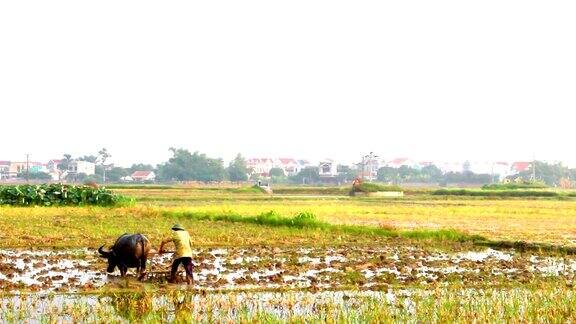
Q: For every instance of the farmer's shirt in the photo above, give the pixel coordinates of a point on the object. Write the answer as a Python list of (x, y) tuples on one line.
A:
[(183, 244)]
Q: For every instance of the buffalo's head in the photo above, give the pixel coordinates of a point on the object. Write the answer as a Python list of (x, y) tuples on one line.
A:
[(111, 256)]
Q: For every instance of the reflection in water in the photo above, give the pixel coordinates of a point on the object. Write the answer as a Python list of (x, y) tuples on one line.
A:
[(551, 303), (183, 305)]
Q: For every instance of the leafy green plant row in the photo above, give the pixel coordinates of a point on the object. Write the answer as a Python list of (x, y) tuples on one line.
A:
[(57, 195)]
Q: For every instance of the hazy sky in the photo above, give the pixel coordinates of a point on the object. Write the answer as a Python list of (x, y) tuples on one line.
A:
[(426, 79)]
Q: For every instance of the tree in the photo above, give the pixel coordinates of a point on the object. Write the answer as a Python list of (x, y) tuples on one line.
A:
[(115, 174), (185, 166), (35, 175), (408, 174), (65, 163), (431, 173), (388, 175), (346, 173), (277, 172), (88, 158), (103, 155), (237, 170), (140, 167), (550, 174), (308, 175)]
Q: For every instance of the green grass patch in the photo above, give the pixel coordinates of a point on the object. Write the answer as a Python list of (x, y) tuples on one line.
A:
[(376, 187), (308, 220), (255, 189)]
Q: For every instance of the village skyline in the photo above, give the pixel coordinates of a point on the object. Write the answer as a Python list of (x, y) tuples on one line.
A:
[(368, 166)]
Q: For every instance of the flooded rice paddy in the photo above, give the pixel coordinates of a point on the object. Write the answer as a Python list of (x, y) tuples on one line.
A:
[(286, 268), (414, 305)]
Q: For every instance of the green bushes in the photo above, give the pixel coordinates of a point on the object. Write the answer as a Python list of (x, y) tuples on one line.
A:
[(253, 189), (57, 194), (139, 186), (302, 190), (375, 187), (495, 193), (514, 186)]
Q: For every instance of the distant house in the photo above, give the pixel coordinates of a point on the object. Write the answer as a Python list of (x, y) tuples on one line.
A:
[(78, 167), (518, 167), (288, 165), (327, 169), (4, 169), (36, 167), (368, 169), (447, 167), (143, 176), (260, 166), (52, 165), (302, 164), (16, 168), (502, 169), (54, 171)]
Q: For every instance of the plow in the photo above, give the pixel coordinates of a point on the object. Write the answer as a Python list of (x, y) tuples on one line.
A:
[(158, 272)]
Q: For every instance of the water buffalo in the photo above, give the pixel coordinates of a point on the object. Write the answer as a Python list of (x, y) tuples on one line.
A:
[(129, 251)]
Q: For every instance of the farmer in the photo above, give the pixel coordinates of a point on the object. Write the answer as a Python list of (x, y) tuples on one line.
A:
[(183, 253)]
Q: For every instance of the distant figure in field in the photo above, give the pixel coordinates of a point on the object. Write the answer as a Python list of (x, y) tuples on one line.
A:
[(356, 183)]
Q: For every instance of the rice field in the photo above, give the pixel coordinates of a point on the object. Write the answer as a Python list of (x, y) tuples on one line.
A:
[(312, 257)]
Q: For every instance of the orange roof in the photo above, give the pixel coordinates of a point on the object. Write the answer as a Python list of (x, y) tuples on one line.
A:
[(141, 174), (521, 166), (287, 160)]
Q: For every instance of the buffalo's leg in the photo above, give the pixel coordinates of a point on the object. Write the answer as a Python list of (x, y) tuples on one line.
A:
[(123, 270), (142, 269)]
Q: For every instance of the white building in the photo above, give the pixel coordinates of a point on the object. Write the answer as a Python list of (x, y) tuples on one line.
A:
[(77, 167), (4, 169), (288, 165), (260, 166), (368, 168), (143, 176), (328, 168), (446, 167), (500, 169)]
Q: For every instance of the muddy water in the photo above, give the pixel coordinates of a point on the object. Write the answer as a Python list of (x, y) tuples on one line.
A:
[(273, 268)]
